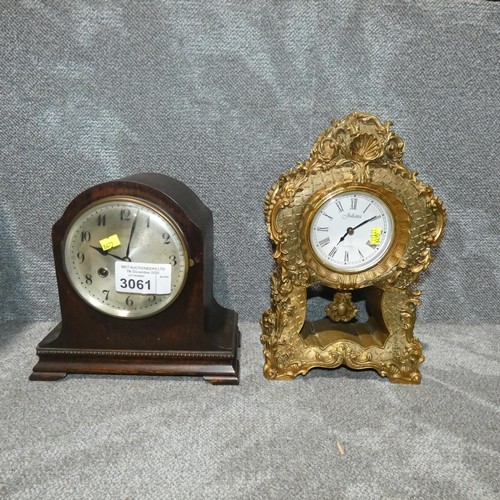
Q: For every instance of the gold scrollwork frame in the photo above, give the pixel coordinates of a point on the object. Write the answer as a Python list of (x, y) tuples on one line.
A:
[(357, 152)]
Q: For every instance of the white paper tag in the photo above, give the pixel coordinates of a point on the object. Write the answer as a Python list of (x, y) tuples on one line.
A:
[(137, 277)]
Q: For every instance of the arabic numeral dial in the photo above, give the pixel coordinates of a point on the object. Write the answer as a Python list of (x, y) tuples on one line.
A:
[(127, 232)]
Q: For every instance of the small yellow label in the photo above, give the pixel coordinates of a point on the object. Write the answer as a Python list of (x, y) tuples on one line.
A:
[(110, 242), (375, 235)]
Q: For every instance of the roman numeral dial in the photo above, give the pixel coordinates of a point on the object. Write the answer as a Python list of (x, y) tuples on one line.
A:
[(351, 231)]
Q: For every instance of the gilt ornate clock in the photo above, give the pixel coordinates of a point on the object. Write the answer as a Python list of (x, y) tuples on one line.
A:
[(353, 220), (133, 260)]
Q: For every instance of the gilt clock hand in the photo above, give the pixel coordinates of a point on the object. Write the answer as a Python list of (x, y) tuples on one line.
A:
[(350, 230)]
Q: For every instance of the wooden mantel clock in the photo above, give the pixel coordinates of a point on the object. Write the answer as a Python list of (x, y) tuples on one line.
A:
[(133, 261), (352, 219)]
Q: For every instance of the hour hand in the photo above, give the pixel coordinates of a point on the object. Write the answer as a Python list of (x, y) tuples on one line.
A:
[(106, 252), (350, 230), (343, 237)]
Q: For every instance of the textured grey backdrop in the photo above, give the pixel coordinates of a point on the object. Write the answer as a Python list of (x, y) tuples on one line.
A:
[(226, 96), (132, 438)]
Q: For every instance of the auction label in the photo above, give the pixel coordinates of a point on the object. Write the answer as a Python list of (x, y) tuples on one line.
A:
[(111, 242), (137, 277), (375, 234)]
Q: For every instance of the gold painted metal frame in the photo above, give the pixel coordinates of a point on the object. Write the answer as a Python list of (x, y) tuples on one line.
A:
[(356, 153)]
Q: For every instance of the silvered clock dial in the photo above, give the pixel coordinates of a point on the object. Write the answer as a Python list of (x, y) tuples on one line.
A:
[(143, 236)]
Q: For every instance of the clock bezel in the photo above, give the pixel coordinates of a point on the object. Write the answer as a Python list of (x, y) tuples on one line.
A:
[(352, 279), (96, 304), (373, 258)]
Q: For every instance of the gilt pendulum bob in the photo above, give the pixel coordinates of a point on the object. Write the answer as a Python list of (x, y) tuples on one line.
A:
[(352, 219), (134, 266)]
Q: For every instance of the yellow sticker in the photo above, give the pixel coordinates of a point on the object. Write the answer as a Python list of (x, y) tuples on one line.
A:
[(375, 235), (110, 242)]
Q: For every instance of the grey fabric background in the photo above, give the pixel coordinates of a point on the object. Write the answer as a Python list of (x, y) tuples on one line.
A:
[(227, 95), (130, 438)]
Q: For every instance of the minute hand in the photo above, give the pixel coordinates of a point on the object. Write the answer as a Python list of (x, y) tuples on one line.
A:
[(131, 234), (350, 230), (366, 222)]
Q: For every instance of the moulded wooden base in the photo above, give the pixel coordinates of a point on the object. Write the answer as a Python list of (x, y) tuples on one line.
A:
[(47, 376), (217, 366)]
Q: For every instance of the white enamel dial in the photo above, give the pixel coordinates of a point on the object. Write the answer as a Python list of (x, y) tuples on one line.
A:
[(352, 231), (140, 234)]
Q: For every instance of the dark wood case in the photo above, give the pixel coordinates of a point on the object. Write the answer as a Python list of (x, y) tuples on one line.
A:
[(193, 336)]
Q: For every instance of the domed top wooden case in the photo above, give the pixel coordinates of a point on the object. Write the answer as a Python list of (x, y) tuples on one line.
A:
[(186, 334)]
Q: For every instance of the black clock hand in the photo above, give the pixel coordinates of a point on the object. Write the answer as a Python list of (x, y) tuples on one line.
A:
[(366, 222), (350, 230), (132, 229), (106, 252)]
